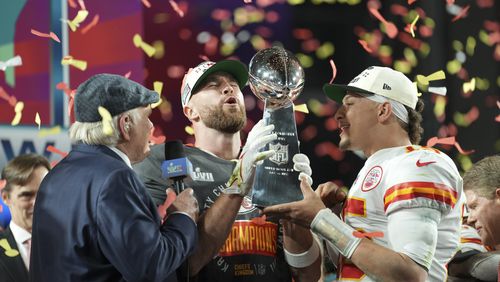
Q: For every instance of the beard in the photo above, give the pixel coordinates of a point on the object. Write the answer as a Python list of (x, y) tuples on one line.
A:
[(226, 121)]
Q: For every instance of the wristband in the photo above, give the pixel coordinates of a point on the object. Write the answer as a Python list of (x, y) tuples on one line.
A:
[(304, 259), (331, 228)]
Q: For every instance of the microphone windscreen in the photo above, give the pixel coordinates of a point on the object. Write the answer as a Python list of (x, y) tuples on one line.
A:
[(174, 150)]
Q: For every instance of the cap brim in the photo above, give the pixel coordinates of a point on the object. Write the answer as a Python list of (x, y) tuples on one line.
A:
[(336, 92), (235, 68)]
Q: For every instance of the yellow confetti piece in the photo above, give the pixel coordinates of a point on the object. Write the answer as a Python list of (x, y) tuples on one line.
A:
[(402, 66), (416, 86), (49, 131), (189, 130), (457, 45), (8, 249), (305, 60), (412, 25), (159, 48), (315, 106), (154, 105), (439, 106), (469, 86), (258, 42), (295, 2), (107, 126), (79, 64), (453, 66), (325, 50), (424, 80), (227, 49), (18, 109), (482, 84), (158, 86), (301, 108), (484, 37), (470, 45), (385, 50), (80, 17), (410, 56), (465, 162), (148, 49), (425, 49), (37, 120)]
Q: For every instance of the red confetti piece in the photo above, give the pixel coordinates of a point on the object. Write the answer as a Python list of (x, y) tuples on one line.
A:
[(176, 8), (204, 57), (93, 23), (448, 141), (162, 209), (247, 1), (261, 220), (491, 26), (368, 234), (41, 34), (365, 46), (54, 150), (3, 183), (302, 33), (82, 4), (221, 14), (411, 2), (390, 28), (211, 45), (146, 3), (450, 2), (72, 4), (10, 99), (399, 10), (461, 14), (334, 70)]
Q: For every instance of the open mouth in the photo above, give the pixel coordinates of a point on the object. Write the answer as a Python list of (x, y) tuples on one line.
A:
[(343, 128), (231, 101)]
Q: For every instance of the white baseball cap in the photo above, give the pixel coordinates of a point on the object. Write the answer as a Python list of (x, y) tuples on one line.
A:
[(382, 81), (195, 76)]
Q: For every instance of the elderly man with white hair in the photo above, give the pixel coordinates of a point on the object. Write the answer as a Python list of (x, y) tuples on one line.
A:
[(93, 219)]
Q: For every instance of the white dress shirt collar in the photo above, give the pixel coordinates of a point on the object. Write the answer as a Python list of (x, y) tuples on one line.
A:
[(122, 155)]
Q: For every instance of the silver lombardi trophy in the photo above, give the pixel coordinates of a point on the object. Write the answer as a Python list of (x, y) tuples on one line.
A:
[(277, 78)]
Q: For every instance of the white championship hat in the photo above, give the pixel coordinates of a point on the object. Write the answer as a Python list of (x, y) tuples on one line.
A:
[(382, 81), (195, 76)]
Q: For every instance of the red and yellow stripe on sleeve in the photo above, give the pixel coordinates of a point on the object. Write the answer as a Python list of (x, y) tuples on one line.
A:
[(464, 240), (413, 190)]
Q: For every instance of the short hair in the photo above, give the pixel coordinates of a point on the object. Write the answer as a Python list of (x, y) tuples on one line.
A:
[(484, 177), (414, 126), (92, 133), (18, 170)]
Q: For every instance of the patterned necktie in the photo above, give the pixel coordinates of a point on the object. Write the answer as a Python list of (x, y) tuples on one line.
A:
[(27, 245)]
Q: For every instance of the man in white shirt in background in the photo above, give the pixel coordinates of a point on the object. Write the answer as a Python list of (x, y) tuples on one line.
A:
[(23, 175)]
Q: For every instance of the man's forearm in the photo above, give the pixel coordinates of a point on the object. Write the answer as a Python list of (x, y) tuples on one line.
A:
[(213, 229), (299, 240), (393, 267)]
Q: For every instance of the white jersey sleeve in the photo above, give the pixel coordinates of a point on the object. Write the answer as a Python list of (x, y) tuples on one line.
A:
[(424, 178), (470, 240)]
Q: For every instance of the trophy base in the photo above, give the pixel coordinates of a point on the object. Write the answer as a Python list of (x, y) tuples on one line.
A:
[(276, 181)]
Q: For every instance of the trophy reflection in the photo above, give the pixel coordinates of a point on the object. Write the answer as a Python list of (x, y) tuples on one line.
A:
[(277, 78)]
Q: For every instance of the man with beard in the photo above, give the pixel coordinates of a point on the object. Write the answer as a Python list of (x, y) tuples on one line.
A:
[(234, 243)]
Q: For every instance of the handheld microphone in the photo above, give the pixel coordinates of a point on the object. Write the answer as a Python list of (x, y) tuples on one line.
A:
[(176, 166)]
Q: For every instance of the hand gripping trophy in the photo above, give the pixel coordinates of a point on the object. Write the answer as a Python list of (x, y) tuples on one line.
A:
[(277, 78)]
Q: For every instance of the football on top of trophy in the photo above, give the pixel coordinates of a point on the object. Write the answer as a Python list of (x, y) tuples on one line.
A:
[(276, 76)]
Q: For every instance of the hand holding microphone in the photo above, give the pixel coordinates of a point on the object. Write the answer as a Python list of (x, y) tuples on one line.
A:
[(176, 166)]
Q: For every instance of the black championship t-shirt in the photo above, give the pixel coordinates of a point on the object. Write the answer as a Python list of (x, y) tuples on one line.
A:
[(253, 250)]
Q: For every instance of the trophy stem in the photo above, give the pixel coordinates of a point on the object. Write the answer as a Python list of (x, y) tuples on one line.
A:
[(275, 180)]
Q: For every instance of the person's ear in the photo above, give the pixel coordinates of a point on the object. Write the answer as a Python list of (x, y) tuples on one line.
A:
[(124, 125), (497, 194), (5, 197), (191, 113), (384, 111)]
